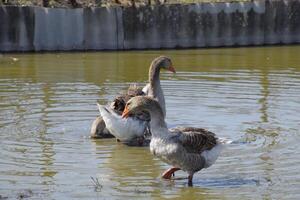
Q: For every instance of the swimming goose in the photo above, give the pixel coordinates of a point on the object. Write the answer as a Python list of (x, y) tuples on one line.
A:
[(152, 89), (98, 129), (129, 131), (186, 148)]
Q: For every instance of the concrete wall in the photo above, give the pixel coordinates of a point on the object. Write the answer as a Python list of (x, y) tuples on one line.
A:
[(168, 26), (36, 28)]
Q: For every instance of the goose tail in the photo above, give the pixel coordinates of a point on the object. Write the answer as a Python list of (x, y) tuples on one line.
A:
[(225, 141), (103, 110)]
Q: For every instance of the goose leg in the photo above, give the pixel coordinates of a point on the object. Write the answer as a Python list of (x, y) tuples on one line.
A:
[(190, 180), (169, 172)]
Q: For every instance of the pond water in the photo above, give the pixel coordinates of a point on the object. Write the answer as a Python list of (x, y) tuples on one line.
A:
[(249, 95)]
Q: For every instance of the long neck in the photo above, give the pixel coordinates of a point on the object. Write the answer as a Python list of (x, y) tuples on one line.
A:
[(158, 125), (154, 74), (155, 87)]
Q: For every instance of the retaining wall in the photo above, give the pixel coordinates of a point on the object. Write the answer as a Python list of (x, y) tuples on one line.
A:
[(166, 26)]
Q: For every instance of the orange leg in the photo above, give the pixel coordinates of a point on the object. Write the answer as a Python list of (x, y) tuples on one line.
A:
[(169, 172)]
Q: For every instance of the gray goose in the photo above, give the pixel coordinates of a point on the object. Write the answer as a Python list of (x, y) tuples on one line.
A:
[(152, 89), (186, 148)]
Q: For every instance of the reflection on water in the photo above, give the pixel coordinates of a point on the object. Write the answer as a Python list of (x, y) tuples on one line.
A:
[(265, 94), (250, 95)]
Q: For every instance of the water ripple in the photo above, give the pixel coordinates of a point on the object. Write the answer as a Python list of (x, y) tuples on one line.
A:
[(45, 119)]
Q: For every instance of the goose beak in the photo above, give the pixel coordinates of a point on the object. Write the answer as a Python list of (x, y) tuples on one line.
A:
[(172, 69), (125, 113)]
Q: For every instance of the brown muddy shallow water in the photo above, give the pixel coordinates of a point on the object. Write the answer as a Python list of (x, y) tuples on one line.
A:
[(249, 95)]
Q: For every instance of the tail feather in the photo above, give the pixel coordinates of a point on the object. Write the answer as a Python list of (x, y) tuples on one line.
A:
[(102, 109), (212, 155), (123, 129), (224, 141)]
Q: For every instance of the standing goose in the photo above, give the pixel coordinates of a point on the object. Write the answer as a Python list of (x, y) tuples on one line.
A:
[(152, 89), (186, 148)]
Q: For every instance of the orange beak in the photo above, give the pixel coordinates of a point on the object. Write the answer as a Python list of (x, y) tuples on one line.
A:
[(172, 69), (125, 113)]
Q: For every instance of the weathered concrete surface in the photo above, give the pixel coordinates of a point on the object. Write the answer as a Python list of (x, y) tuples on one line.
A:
[(16, 28), (36, 29), (185, 26), (168, 26)]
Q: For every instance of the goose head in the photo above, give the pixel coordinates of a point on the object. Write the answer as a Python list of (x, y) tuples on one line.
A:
[(140, 104), (163, 62)]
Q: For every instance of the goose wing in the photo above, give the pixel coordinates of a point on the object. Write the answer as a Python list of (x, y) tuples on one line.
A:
[(195, 140), (134, 90), (120, 101)]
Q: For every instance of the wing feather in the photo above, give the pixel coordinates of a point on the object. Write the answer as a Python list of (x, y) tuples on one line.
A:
[(120, 101), (195, 140)]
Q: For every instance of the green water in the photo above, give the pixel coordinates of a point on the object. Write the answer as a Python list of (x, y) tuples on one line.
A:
[(249, 95)]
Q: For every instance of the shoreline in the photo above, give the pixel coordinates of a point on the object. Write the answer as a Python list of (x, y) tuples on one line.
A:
[(163, 49)]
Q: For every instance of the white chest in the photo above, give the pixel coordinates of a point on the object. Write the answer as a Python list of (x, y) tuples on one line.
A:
[(162, 148)]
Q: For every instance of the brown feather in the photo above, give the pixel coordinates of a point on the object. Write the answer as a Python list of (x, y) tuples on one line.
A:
[(134, 90), (195, 140), (120, 101)]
